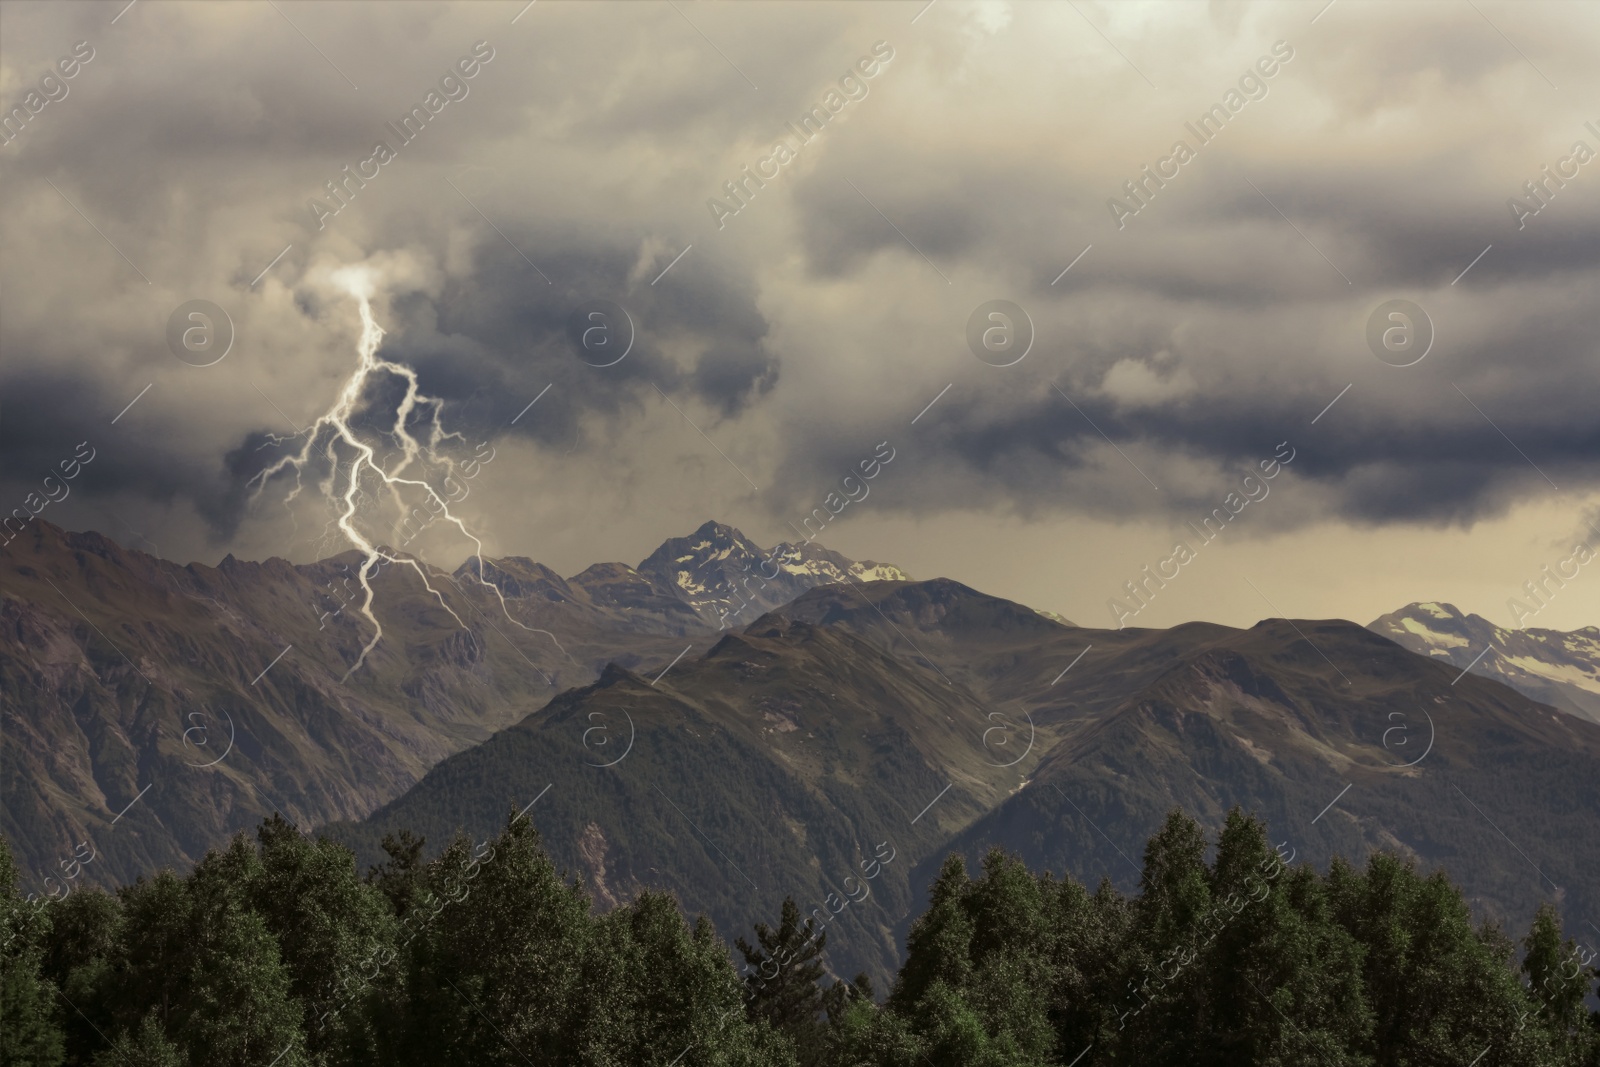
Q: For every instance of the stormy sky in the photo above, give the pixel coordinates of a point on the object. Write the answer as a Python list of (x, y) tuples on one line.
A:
[(565, 159)]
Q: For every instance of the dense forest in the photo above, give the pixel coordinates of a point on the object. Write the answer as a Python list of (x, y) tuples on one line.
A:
[(278, 953)]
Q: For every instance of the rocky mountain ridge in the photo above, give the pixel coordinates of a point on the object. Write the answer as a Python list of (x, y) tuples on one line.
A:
[(151, 708)]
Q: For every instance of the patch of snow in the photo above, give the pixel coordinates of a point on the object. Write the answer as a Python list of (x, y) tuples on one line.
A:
[(1580, 677), (1433, 637), (881, 572)]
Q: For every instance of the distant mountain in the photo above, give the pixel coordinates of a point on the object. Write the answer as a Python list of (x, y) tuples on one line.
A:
[(1279, 718), (151, 708), (1554, 667), (715, 577), (936, 718), (727, 578)]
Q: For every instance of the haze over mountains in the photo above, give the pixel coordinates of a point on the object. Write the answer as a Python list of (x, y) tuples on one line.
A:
[(736, 726)]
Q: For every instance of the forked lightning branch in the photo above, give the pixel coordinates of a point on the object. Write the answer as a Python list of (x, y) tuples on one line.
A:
[(352, 474)]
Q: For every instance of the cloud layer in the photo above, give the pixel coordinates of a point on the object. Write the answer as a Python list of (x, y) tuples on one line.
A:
[(784, 343)]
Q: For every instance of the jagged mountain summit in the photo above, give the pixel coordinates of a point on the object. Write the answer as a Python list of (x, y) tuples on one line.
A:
[(727, 578), (1554, 667), (716, 576)]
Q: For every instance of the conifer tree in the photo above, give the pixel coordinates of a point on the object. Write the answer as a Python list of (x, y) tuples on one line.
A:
[(938, 946), (836, 1000), (494, 945), (29, 1034), (1559, 983), (400, 877), (781, 974), (1085, 936), (84, 932), (1158, 999), (234, 1005), (332, 931)]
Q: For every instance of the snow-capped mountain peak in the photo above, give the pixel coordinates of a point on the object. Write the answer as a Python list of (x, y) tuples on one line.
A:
[(727, 578), (1556, 667)]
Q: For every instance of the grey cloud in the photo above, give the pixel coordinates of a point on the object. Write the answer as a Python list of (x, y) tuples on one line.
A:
[(196, 136)]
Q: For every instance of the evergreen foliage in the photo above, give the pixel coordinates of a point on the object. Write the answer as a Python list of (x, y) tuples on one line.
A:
[(278, 952)]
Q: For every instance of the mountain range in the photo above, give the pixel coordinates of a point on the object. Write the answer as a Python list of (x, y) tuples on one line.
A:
[(920, 718), (738, 725), (150, 709)]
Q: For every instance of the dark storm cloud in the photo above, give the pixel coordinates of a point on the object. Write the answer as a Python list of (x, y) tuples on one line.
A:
[(1196, 338), (1287, 325), (504, 329), (727, 377), (49, 415), (1208, 234), (1401, 449), (1453, 469), (200, 172), (841, 225), (486, 345)]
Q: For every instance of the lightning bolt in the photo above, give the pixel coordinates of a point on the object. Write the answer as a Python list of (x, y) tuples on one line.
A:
[(353, 464)]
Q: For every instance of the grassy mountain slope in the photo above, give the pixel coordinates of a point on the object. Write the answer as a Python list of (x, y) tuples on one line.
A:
[(776, 764), (1336, 756)]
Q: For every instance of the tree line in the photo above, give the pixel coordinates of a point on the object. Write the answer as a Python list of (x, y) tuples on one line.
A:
[(278, 953)]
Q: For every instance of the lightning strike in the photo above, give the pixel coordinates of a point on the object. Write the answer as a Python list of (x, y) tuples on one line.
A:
[(349, 474)]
